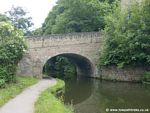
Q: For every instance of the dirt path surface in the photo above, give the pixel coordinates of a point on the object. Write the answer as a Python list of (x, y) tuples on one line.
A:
[(24, 102)]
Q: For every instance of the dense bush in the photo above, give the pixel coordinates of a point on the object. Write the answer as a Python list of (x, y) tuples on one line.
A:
[(2, 83), (127, 36), (12, 47)]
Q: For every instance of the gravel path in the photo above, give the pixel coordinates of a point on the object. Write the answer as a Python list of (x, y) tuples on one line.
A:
[(24, 102)]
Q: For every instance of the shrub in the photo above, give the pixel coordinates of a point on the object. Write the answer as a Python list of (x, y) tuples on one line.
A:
[(12, 47), (127, 36), (2, 83), (3, 73)]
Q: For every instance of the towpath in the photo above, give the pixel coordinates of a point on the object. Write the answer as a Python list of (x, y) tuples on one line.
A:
[(24, 102)]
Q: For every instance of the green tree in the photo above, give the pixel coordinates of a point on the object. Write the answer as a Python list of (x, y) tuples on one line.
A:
[(37, 32), (18, 17), (128, 36), (12, 47), (76, 16)]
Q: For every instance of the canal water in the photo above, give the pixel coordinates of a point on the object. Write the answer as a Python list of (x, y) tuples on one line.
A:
[(95, 96)]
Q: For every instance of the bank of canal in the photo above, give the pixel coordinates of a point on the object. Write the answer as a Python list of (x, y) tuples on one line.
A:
[(95, 96)]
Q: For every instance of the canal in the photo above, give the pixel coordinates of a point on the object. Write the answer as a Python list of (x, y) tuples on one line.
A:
[(95, 96)]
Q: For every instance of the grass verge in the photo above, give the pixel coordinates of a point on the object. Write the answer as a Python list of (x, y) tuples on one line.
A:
[(49, 103), (13, 89)]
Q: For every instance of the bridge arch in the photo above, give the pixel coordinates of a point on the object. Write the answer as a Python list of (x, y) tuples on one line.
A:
[(84, 66), (82, 48)]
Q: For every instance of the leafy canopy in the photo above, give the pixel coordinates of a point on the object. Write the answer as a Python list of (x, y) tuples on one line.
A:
[(76, 16)]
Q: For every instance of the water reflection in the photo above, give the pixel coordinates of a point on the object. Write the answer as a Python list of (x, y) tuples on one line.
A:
[(76, 88), (94, 96), (122, 95)]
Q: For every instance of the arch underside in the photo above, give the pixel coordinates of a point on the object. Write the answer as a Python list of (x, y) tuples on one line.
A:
[(83, 65)]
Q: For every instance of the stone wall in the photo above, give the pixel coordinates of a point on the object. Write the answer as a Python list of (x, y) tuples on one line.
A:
[(25, 66), (63, 39), (86, 44), (129, 74)]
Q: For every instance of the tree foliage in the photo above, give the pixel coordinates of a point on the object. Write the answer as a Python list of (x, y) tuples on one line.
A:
[(19, 19), (128, 36), (76, 16), (12, 47)]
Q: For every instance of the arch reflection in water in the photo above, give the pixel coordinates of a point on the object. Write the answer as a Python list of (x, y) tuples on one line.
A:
[(78, 90)]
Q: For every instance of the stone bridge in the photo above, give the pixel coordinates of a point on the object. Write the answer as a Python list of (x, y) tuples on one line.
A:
[(81, 48)]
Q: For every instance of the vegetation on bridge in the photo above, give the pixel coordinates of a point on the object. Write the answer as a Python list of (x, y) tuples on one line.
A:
[(126, 30), (73, 16)]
